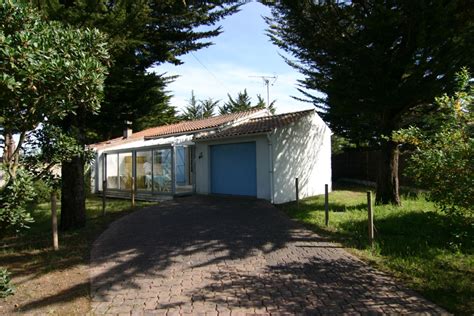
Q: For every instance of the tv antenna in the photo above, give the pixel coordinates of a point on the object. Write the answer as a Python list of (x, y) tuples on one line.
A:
[(267, 80)]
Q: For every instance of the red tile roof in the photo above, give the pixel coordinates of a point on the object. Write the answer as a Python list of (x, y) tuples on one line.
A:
[(178, 128), (258, 125)]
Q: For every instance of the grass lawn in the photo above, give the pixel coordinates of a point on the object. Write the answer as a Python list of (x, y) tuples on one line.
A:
[(55, 282), (415, 242)]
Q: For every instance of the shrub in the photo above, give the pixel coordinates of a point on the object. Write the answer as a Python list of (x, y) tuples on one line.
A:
[(42, 192), (442, 161), (6, 288), (14, 199)]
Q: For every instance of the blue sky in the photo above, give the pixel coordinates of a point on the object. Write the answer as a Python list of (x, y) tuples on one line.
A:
[(243, 50)]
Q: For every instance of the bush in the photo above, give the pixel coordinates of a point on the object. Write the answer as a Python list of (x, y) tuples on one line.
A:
[(42, 192), (6, 288), (14, 199), (442, 161)]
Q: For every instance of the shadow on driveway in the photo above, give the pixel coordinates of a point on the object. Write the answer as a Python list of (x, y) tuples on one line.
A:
[(221, 255)]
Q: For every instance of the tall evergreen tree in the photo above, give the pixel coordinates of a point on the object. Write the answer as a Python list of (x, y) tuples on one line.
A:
[(261, 104), (243, 102), (376, 62), (141, 34), (208, 107), (192, 111)]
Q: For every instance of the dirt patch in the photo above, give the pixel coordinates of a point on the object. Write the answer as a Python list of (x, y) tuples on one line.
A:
[(62, 292)]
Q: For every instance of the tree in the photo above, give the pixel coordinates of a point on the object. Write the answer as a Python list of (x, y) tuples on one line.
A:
[(243, 102), (193, 110), (261, 104), (141, 34), (198, 109), (374, 62), (50, 72), (443, 150), (208, 107)]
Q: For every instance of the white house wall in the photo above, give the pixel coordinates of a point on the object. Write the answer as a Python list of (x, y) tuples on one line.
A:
[(203, 184), (301, 150)]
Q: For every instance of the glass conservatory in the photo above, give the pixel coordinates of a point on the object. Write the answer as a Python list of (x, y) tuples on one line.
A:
[(156, 171)]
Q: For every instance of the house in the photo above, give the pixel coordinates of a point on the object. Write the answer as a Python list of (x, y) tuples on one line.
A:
[(250, 153)]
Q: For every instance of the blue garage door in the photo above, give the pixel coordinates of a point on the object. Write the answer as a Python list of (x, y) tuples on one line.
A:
[(234, 169)]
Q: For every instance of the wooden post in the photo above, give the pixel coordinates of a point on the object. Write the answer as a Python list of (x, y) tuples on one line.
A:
[(54, 221), (133, 191), (104, 196), (297, 193), (371, 217), (326, 204)]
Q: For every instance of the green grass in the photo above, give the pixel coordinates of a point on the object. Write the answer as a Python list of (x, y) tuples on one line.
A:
[(430, 251)]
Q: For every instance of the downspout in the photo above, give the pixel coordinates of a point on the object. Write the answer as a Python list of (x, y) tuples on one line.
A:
[(270, 160)]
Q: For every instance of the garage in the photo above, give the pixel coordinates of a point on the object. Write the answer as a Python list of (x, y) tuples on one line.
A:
[(234, 169)]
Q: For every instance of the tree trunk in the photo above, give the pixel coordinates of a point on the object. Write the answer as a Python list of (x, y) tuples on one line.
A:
[(387, 177), (73, 202)]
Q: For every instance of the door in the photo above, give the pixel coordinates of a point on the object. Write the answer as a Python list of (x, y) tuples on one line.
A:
[(234, 169)]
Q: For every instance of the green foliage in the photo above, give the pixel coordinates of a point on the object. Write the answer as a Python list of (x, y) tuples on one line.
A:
[(50, 72), (142, 34), (261, 104), (6, 288), (197, 109), (14, 200), (368, 64), (42, 192), (442, 161), (373, 61), (208, 107), (192, 111), (243, 102), (339, 144)]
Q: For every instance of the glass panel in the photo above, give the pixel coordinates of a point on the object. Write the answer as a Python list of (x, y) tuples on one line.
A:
[(143, 163), (112, 171), (162, 170), (184, 171), (125, 171)]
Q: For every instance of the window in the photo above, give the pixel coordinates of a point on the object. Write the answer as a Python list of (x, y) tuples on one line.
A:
[(112, 171), (125, 171), (144, 170), (162, 166)]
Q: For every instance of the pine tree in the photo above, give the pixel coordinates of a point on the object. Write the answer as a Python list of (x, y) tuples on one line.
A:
[(261, 104), (243, 102), (376, 62), (208, 107), (193, 110)]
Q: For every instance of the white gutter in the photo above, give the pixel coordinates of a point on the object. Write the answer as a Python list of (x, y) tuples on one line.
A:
[(270, 160)]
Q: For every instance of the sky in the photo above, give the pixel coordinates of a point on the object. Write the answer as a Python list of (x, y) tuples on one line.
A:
[(240, 53)]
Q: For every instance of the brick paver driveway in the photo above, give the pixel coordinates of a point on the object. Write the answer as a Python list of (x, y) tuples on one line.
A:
[(207, 255)]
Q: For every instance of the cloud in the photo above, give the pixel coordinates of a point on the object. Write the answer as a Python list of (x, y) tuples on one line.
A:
[(216, 80)]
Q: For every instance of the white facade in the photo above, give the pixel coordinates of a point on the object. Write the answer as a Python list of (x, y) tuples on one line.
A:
[(300, 150)]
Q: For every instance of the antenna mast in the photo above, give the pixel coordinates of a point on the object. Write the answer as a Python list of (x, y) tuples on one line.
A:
[(266, 81)]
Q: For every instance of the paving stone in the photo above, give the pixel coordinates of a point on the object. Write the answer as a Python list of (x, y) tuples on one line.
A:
[(223, 256)]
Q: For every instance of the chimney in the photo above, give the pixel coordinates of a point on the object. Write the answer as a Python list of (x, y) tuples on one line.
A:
[(127, 132)]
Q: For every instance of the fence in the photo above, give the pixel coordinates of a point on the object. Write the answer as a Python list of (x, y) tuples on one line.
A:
[(363, 164)]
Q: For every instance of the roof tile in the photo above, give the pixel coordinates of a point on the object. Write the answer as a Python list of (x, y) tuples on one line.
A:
[(257, 125), (178, 128)]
